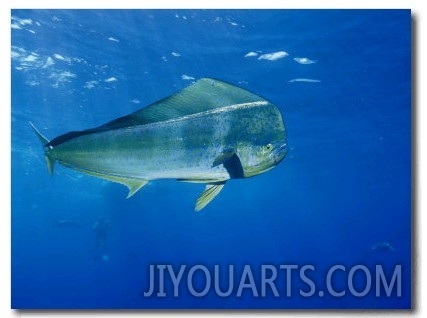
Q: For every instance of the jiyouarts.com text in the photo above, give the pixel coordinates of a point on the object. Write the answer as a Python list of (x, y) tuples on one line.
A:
[(273, 280)]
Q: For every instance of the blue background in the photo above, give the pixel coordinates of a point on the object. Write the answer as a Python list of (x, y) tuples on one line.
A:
[(344, 186)]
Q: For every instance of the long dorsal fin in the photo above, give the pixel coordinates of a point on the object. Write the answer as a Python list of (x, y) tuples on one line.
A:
[(206, 94)]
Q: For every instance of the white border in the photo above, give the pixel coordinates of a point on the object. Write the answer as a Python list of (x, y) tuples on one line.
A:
[(5, 152), (417, 12), (205, 4)]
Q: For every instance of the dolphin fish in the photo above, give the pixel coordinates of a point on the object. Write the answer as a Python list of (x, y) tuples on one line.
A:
[(208, 132)]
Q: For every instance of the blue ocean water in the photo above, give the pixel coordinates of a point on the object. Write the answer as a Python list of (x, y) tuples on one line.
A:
[(342, 80)]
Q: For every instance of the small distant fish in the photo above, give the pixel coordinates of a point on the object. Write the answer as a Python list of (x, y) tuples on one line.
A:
[(67, 224), (383, 247), (307, 80), (209, 132)]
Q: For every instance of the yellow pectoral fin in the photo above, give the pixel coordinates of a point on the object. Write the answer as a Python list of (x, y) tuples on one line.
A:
[(210, 192), (223, 157), (133, 184)]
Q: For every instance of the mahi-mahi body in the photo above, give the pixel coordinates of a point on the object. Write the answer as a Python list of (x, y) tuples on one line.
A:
[(209, 132)]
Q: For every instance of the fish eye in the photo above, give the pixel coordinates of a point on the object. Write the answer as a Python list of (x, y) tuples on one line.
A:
[(269, 147)]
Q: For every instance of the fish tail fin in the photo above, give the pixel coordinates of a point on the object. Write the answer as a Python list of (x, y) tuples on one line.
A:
[(44, 141)]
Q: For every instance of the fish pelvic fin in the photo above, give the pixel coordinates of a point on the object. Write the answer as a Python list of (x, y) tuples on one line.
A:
[(210, 192), (50, 162)]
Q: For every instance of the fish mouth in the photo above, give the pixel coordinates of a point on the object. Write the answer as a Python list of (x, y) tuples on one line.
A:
[(280, 153), (273, 160)]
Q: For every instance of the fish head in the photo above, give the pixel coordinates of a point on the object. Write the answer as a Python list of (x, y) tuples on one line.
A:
[(256, 159), (261, 139)]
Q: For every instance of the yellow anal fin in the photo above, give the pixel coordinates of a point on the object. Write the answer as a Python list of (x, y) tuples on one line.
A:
[(210, 192), (133, 184), (202, 180)]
